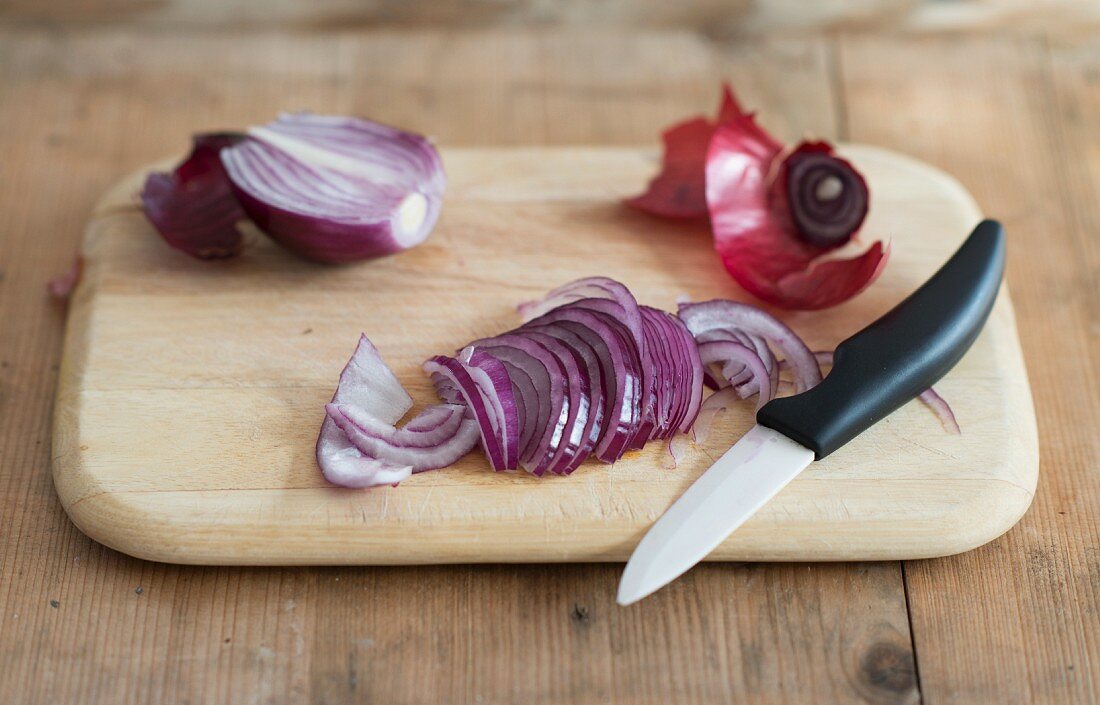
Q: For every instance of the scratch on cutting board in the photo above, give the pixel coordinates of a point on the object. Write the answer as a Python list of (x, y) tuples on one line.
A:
[(427, 498)]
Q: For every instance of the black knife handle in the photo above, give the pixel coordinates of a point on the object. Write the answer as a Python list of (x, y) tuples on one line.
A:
[(901, 354)]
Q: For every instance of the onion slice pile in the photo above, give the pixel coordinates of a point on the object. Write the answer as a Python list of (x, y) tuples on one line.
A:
[(589, 373), (329, 188)]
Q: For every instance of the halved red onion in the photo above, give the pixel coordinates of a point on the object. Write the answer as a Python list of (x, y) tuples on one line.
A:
[(367, 383), (193, 207), (337, 189)]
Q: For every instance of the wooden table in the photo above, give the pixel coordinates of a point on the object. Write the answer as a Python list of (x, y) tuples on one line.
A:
[(1014, 117)]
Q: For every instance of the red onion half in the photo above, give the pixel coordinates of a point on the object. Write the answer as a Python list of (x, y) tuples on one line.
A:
[(328, 188)]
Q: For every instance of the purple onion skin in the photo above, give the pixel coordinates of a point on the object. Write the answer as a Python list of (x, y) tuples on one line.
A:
[(193, 207), (326, 241)]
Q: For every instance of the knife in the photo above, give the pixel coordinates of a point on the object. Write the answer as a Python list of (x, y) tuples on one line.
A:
[(874, 372)]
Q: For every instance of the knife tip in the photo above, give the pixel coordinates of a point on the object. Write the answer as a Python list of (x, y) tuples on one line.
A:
[(630, 590)]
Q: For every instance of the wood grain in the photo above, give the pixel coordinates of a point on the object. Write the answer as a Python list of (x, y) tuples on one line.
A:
[(715, 18), (1024, 607), (237, 361)]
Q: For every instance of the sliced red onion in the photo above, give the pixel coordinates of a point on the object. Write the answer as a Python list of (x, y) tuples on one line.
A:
[(941, 409), (619, 371), (478, 395), (496, 386), (728, 350), (367, 383), (592, 431), (552, 390), (565, 385), (730, 315), (193, 207), (431, 426), (402, 447), (709, 410), (337, 189), (577, 426)]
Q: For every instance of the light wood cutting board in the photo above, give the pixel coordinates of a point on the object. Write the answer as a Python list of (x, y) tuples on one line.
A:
[(191, 392)]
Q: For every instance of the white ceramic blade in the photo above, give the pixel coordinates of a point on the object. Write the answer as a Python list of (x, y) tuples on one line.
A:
[(732, 490)]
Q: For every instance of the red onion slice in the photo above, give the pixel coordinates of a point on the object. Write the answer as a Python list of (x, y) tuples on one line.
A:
[(618, 368), (433, 425), (709, 410), (941, 409), (722, 351), (337, 189), (579, 393), (596, 388), (478, 395), (398, 446), (492, 377), (720, 314), (193, 207), (552, 390), (367, 383)]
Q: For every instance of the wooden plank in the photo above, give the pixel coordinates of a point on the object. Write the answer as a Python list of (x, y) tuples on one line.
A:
[(723, 18), (1015, 621), (157, 340), (81, 108)]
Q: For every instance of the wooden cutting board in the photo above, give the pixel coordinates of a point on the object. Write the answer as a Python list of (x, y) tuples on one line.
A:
[(191, 392)]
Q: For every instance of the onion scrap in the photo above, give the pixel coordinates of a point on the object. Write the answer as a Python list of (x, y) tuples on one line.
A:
[(779, 215)]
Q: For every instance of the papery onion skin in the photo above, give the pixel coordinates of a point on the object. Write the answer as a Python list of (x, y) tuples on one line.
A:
[(338, 190), (678, 189), (193, 207), (772, 227), (754, 233), (61, 287)]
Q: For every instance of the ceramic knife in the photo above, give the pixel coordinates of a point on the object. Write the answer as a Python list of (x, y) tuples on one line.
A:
[(874, 372)]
